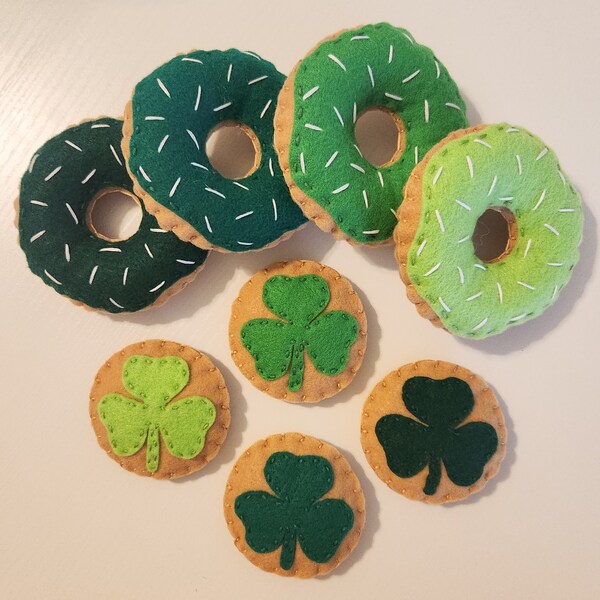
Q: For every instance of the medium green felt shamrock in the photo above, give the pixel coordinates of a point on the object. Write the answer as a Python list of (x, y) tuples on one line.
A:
[(278, 346), (154, 382), (295, 513), (440, 405)]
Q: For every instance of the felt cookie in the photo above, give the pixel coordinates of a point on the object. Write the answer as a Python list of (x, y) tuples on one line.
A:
[(371, 67), (433, 431), (487, 169), (64, 180), (167, 123), (294, 506), (298, 331), (160, 409)]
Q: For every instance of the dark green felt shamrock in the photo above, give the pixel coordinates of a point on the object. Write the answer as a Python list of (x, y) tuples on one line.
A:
[(440, 405), (295, 513), (278, 346)]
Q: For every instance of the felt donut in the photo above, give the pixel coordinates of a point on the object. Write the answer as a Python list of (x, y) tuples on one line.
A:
[(376, 66), (66, 176), (171, 114), (489, 167)]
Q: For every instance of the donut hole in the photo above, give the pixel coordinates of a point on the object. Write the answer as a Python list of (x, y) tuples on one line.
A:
[(380, 136), (114, 215), (495, 234), (233, 150)]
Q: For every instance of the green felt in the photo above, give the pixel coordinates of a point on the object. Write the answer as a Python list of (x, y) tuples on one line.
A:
[(179, 175), (67, 253), (130, 423), (295, 514), (349, 87), (278, 346), (485, 299), (435, 438)]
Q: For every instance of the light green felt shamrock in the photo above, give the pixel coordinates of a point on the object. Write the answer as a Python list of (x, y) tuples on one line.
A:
[(131, 423), (278, 346)]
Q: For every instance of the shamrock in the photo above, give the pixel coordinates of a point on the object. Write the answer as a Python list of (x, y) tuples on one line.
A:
[(295, 513), (440, 405), (278, 346), (131, 423)]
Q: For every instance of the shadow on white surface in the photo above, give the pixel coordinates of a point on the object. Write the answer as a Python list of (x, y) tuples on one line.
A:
[(473, 116)]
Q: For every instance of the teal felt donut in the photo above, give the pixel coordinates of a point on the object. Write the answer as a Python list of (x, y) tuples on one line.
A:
[(64, 176), (489, 167), (375, 66), (173, 110)]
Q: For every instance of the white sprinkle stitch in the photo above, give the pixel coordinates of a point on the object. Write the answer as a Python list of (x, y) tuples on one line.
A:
[(198, 97), (411, 76), (222, 106), (465, 206), (474, 296), (426, 111), (157, 287), (99, 125), (359, 37), (365, 198), (518, 318), (550, 228), (357, 167), (439, 218), (408, 37), (310, 92), (245, 243), (562, 177), (380, 175), (437, 69), (519, 165), (37, 235), (261, 78), (185, 262), (566, 210), (52, 173), (394, 213), (354, 112), (480, 325), (555, 264), (432, 270), (144, 174), (33, 159), (506, 198), (52, 278), (512, 130), (163, 87), (483, 143), (72, 213), (371, 75), (371, 232), (542, 154), (444, 305), (174, 188), (241, 185), (212, 191), (88, 176), (526, 285), (313, 127), (470, 165), (244, 215), (207, 224), (437, 175), (454, 106), (500, 293), (421, 247), (461, 275), (527, 248), (482, 267), (358, 150), (337, 61), (67, 253), (339, 116), (158, 230), (416, 155), (115, 154), (125, 272), (229, 72), (162, 143), (195, 164), (274, 208), (271, 167), (252, 54), (391, 55), (462, 240), (542, 196), (341, 188), (115, 303), (554, 292), (38, 203), (194, 138), (93, 274), (392, 96), (109, 249), (194, 60), (153, 118), (494, 181), (148, 251), (70, 143), (302, 165), (331, 159)]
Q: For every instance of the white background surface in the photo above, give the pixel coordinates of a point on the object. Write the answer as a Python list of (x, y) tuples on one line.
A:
[(75, 525)]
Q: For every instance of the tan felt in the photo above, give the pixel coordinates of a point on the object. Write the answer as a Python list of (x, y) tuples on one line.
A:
[(205, 380), (409, 216), (249, 305), (247, 475), (386, 398)]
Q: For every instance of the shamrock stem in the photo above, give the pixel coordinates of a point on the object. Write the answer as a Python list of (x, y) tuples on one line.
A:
[(297, 368), (433, 477), (152, 449), (288, 550)]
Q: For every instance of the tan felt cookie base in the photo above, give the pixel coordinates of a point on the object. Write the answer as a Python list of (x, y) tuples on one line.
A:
[(247, 475), (205, 380), (284, 125), (386, 398), (409, 215), (249, 305), (166, 218)]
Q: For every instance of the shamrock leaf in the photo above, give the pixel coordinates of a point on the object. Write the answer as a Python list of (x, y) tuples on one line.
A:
[(132, 422), (295, 513), (440, 405), (278, 346)]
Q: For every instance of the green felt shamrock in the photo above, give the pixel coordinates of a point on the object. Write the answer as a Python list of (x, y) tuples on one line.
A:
[(131, 423), (278, 346), (295, 513), (440, 405)]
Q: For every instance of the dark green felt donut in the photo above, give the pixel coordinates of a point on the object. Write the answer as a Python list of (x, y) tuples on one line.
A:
[(173, 110), (64, 175)]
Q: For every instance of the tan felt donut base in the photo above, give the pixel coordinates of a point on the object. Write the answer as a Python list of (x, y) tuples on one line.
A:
[(409, 215), (249, 305), (247, 475), (386, 398), (166, 218), (205, 380), (284, 125)]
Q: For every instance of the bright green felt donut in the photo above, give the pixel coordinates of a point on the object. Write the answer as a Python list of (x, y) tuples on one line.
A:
[(499, 166), (373, 66), (64, 175), (174, 109)]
